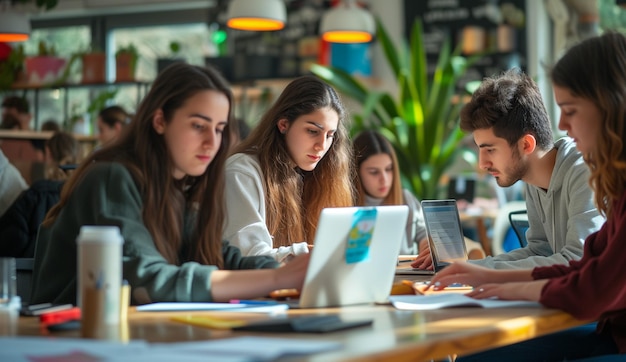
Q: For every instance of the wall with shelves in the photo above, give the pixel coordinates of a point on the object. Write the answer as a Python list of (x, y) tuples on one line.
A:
[(495, 30), (40, 97)]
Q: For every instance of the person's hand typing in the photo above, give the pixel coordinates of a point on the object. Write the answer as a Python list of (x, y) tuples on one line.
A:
[(291, 274), (423, 260), (461, 273)]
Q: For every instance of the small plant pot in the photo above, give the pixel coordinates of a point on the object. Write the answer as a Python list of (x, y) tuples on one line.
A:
[(94, 68), (42, 70), (124, 68)]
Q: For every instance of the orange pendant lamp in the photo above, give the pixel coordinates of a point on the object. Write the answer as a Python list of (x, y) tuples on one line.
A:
[(257, 15), (347, 23), (14, 25)]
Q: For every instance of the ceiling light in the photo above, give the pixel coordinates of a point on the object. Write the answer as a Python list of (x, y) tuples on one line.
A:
[(14, 25), (347, 23), (257, 15)]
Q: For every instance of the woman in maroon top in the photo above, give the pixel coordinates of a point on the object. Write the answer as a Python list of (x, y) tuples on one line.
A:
[(589, 84)]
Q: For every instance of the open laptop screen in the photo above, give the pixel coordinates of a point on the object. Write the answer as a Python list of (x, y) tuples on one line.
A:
[(444, 229)]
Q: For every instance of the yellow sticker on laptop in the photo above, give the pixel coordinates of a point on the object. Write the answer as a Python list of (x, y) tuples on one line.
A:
[(360, 236)]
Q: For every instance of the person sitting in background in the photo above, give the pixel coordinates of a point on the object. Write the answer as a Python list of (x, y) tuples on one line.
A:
[(162, 183), (11, 183), (513, 132), (377, 182), (62, 149), (589, 84), (20, 223), (19, 150), (19, 108), (111, 121), (294, 163)]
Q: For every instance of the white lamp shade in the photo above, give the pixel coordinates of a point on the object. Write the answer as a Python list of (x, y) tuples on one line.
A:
[(14, 26), (257, 15), (347, 23)]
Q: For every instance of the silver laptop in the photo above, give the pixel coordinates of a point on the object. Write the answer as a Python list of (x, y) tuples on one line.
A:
[(354, 256), (445, 236)]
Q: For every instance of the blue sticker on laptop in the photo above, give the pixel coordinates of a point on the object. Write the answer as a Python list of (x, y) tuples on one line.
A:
[(360, 237)]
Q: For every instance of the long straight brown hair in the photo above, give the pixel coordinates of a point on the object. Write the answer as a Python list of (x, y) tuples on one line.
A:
[(144, 153), (365, 145), (295, 199)]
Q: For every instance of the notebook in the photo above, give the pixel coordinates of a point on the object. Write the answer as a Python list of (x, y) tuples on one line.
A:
[(445, 236), (354, 256)]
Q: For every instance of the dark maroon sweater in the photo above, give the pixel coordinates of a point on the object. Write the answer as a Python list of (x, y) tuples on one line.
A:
[(594, 288)]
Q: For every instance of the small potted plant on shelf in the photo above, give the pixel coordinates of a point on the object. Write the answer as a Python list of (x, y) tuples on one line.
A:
[(46, 67), (126, 63), (94, 66)]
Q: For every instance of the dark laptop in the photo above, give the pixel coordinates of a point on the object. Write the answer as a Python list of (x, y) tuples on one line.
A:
[(445, 236)]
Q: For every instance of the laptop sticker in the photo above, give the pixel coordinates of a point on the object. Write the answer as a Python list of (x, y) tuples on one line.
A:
[(360, 236)]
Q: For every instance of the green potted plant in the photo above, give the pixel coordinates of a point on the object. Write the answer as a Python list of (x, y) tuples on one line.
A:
[(93, 65), (422, 122), (126, 63)]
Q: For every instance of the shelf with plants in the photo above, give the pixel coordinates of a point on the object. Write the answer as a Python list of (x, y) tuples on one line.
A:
[(102, 88)]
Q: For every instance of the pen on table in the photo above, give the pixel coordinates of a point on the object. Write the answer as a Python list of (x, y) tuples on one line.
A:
[(259, 302)]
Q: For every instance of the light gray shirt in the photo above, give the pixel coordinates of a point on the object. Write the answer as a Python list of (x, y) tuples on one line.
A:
[(560, 218)]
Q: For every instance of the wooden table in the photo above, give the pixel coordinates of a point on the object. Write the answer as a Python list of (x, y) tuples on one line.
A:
[(395, 335)]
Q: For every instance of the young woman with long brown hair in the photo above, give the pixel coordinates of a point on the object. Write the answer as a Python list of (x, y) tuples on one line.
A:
[(377, 180), (296, 162), (162, 183)]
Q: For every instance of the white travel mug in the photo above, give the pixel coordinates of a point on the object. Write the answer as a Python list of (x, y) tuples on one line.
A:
[(99, 276)]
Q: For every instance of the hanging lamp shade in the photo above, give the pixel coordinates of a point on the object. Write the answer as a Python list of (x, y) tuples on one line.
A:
[(257, 15), (14, 25), (347, 23)]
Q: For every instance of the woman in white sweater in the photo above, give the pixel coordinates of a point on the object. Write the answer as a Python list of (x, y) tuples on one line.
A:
[(295, 162)]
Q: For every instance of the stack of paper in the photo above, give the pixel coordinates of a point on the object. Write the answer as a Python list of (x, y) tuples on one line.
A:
[(448, 300)]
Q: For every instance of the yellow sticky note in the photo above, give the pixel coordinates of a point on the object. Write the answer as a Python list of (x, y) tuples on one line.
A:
[(209, 322)]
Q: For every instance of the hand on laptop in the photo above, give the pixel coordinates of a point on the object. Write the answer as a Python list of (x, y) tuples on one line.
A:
[(291, 274), (423, 260)]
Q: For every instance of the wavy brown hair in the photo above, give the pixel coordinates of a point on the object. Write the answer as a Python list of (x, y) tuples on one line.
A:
[(293, 198), (511, 104), (144, 153), (365, 145), (595, 69)]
